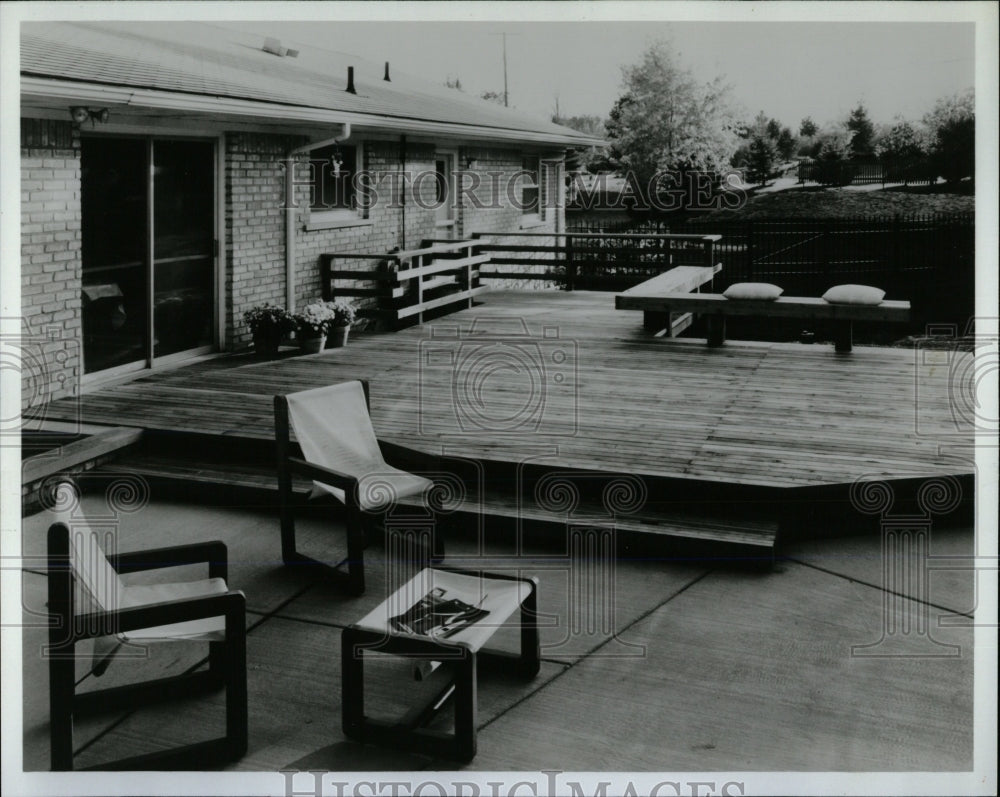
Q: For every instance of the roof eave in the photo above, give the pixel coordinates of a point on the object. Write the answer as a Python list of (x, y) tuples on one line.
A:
[(217, 105)]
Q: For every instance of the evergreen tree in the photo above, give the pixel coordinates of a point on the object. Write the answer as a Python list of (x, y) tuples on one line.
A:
[(863, 133)]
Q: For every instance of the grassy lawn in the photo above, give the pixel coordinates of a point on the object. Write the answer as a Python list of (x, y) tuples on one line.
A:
[(833, 203)]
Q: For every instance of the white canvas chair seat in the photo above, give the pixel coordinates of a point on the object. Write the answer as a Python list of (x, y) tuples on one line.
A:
[(99, 588), (334, 430), (211, 629)]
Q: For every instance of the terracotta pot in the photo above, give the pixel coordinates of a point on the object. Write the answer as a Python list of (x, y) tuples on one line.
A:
[(266, 341), (313, 344), (338, 337)]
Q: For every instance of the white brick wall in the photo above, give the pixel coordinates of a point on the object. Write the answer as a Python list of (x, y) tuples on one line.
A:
[(51, 264)]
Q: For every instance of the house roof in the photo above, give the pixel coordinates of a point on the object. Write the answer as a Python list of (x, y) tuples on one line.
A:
[(189, 64)]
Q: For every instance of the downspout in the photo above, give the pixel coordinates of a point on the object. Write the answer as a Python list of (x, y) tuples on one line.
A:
[(290, 209), (402, 192)]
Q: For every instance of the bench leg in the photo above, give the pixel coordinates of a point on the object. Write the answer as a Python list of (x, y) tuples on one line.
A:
[(843, 337), (716, 330), (654, 320)]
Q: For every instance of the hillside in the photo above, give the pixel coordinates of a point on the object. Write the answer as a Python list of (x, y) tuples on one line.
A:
[(815, 202)]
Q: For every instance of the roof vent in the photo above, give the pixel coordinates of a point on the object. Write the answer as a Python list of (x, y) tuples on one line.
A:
[(386, 78), (350, 80), (274, 46)]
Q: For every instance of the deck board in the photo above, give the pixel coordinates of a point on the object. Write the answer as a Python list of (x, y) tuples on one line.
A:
[(750, 413)]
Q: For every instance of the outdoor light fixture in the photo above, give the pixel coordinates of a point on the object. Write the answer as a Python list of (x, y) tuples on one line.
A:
[(470, 164), (80, 114)]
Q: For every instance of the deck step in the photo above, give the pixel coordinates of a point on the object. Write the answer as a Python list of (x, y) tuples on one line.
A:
[(663, 529), (690, 526)]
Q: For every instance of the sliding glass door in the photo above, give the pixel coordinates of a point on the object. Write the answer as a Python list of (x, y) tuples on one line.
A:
[(149, 254)]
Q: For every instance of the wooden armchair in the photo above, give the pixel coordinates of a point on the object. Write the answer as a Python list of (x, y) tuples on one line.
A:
[(87, 600), (340, 452)]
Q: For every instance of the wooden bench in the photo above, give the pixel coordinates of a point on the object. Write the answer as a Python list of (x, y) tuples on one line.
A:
[(409, 283), (717, 307), (682, 280)]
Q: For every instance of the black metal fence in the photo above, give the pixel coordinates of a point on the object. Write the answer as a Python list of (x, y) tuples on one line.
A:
[(881, 171), (928, 258)]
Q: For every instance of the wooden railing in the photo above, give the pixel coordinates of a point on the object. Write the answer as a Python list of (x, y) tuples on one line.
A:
[(409, 283), (593, 261)]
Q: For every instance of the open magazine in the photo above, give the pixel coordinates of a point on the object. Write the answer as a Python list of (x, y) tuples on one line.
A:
[(439, 613)]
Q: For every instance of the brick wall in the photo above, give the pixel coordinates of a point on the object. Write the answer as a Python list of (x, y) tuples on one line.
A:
[(382, 231), (255, 234), (51, 263), (484, 209), (479, 214), (255, 226)]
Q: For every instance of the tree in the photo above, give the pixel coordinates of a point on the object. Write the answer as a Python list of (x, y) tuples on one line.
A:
[(786, 143), (773, 129), (591, 125), (761, 156), (951, 125), (583, 159), (863, 133), (453, 84), (902, 150), (666, 121), (833, 152), (808, 128), (492, 96)]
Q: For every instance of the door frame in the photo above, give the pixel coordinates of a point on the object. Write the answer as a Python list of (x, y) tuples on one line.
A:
[(150, 362)]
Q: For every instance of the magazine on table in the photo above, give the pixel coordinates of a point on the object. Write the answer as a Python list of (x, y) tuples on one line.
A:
[(441, 613)]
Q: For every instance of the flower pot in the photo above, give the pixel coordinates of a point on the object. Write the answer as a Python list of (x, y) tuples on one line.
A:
[(266, 342), (312, 344), (338, 337)]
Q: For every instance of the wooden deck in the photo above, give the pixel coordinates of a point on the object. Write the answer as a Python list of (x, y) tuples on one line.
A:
[(587, 388)]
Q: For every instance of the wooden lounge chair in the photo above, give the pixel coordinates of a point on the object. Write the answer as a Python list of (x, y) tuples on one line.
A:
[(87, 600), (340, 452)]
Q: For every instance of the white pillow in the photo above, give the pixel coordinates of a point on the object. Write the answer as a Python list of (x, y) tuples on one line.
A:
[(854, 294), (760, 291)]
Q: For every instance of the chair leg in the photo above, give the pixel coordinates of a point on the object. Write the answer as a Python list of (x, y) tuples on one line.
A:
[(61, 677), (465, 708), (352, 686), (355, 552), (288, 553), (531, 648), (218, 659), (235, 651)]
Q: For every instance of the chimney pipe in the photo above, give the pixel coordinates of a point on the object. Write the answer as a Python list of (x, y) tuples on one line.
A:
[(386, 78), (350, 80)]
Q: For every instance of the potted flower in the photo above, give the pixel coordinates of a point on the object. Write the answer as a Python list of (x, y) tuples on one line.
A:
[(313, 324), (343, 317), (268, 323)]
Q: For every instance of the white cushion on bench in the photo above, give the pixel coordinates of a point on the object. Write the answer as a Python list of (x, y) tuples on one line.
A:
[(854, 294), (759, 291)]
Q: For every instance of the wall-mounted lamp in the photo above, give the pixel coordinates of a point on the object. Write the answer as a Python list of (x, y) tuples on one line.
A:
[(80, 114), (471, 164)]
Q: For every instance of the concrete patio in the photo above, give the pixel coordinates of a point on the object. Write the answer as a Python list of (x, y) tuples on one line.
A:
[(692, 667)]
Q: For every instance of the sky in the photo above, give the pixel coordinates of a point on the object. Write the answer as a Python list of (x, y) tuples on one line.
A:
[(789, 70)]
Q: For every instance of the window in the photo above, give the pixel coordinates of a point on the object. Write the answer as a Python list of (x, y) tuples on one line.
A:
[(444, 201), (529, 190), (334, 192)]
